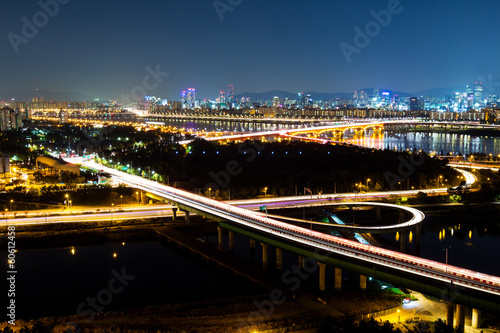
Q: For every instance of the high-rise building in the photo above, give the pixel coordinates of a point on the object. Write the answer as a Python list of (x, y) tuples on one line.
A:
[(376, 96), (222, 97), (276, 102), (308, 100), (300, 99), (10, 120), (414, 105), (470, 100), (37, 103), (151, 102), (191, 97), (63, 116), (230, 93), (184, 99), (363, 97), (478, 93), (4, 164)]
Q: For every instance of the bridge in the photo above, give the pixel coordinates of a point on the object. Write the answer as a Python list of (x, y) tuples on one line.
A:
[(454, 284), (338, 129)]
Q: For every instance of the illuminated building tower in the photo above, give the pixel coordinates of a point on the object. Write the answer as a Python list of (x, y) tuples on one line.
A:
[(363, 96), (276, 102), (222, 96), (150, 103), (300, 99), (37, 103), (230, 93), (470, 100), (478, 93), (414, 106), (10, 120), (355, 96), (190, 97), (4, 164), (308, 100), (183, 99), (63, 117), (376, 96)]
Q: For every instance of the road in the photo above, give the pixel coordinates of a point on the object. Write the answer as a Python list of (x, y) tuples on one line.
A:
[(397, 262)]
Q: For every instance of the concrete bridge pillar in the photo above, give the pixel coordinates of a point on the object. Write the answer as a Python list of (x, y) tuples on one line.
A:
[(460, 317), (279, 259), (338, 279), (301, 261), (174, 213), (402, 240), (252, 250), (362, 282), (476, 318), (264, 256), (220, 242), (418, 234), (450, 311), (322, 276), (379, 214), (231, 240), (186, 217)]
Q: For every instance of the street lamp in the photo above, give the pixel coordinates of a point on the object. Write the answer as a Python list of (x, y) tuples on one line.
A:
[(209, 192), (11, 201), (446, 269), (438, 180), (137, 194), (265, 192), (121, 200), (367, 181), (67, 201)]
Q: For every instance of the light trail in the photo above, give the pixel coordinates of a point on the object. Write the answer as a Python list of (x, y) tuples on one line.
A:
[(330, 244)]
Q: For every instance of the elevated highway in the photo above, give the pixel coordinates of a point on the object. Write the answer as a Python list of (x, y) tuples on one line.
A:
[(448, 282)]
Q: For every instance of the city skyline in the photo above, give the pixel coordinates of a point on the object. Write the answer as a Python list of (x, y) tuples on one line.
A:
[(106, 50)]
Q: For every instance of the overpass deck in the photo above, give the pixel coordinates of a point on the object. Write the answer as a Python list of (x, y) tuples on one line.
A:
[(477, 289)]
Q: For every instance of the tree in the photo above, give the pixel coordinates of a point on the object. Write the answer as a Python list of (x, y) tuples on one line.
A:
[(67, 177)]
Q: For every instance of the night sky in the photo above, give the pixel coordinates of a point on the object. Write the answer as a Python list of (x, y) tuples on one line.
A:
[(102, 48)]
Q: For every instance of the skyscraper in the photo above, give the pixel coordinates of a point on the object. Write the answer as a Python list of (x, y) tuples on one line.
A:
[(184, 99), (414, 105), (191, 97), (478, 93), (230, 93), (276, 102), (300, 99), (150, 103), (222, 96)]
